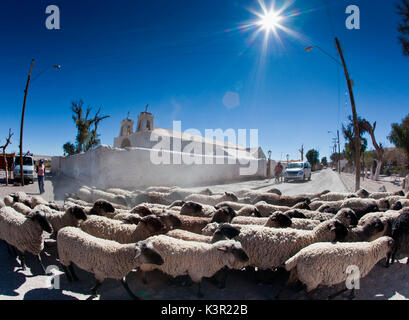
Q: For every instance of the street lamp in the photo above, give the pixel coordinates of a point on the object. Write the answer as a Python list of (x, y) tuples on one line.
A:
[(336, 139), (22, 114), (354, 113)]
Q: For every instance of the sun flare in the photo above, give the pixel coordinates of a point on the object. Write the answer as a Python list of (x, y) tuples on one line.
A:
[(270, 21)]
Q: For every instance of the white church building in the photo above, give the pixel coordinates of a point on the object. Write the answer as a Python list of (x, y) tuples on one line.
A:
[(152, 156)]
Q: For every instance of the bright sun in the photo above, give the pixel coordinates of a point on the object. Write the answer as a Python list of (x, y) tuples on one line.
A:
[(270, 20)]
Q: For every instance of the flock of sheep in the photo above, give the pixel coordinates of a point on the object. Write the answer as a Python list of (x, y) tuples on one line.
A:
[(313, 237)]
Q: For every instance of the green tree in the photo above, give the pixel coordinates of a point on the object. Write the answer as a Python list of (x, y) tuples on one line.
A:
[(313, 157), (69, 149), (324, 161), (399, 136), (403, 27), (349, 136), (87, 136)]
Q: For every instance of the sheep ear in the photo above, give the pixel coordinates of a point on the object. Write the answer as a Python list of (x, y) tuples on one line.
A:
[(223, 249), (138, 251)]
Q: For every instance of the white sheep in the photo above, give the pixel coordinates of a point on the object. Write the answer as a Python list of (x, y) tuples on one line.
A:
[(195, 209), (106, 228), (211, 200), (266, 209), (61, 219), (269, 248), (223, 232), (26, 233), (329, 263), (104, 258), (196, 259), (21, 208), (8, 201)]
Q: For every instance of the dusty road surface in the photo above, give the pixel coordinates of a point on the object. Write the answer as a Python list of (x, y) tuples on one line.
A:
[(382, 283)]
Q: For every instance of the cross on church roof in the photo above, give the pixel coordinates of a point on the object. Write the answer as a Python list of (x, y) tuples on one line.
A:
[(127, 115), (146, 108)]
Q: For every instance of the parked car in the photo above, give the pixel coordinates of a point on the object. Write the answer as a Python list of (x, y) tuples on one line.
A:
[(28, 167), (298, 171)]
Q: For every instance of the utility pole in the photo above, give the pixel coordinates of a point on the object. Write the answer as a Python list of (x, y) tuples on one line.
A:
[(22, 123), (355, 119), (339, 154), (302, 152)]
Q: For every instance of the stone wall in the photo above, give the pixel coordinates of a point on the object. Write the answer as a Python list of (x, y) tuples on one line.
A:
[(106, 167)]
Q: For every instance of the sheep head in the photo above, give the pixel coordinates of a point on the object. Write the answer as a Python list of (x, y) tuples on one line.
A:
[(153, 223), (234, 254), (278, 220), (231, 197), (102, 206), (77, 212), (40, 218), (147, 254), (224, 214)]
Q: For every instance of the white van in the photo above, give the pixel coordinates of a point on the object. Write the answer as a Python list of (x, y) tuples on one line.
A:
[(297, 171), (28, 167)]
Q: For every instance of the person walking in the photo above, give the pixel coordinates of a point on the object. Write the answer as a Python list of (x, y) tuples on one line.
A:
[(40, 176), (278, 171)]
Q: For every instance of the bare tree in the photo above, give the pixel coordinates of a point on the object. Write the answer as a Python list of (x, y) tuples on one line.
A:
[(4, 147), (378, 147)]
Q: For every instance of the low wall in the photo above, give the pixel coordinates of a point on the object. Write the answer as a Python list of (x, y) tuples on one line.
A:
[(106, 167)]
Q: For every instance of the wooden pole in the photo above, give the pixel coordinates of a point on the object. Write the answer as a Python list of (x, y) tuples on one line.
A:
[(355, 119), (22, 123)]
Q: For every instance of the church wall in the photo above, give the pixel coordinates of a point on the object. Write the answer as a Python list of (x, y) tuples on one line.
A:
[(129, 168)]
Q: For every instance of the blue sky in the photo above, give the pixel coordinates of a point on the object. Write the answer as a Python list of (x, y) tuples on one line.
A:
[(183, 56)]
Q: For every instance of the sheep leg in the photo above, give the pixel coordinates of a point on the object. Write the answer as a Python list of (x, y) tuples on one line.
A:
[(222, 284), (144, 278), (199, 290), (22, 262), (352, 294), (126, 286), (336, 294), (95, 288), (67, 274), (74, 276), (41, 262)]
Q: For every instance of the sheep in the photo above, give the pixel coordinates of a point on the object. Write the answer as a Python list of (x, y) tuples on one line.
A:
[(380, 195), (323, 206), (24, 232), (170, 220), (102, 208), (364, 206), (197, 210), (70, 218), (22, 197), (180, 194), (400, 234), (21, 208), (314, 195), (234, 205), (120, 192), (371, 230), (315, 215), (212, 200), (91, 195), (196, 259), (266, 209), (151, 197), (223, 232), (249, 210), (393, 200), (335, 196), (196, 224), (8, 201), (281, 220), (104, 258), (275, 199), (36, 200), (328, 263), (121, 232), (383, 215), (269, 248)]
